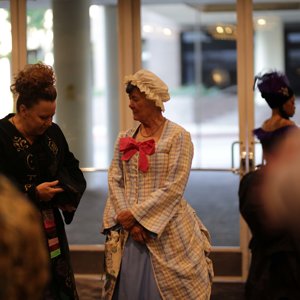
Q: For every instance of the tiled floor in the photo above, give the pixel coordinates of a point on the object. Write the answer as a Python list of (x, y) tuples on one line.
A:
[(90, 289), (227, 291)]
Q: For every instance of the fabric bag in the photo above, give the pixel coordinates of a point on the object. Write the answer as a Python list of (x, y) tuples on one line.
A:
[(113, 251)]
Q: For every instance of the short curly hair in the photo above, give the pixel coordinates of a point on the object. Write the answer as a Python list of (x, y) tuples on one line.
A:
[(24, 259), (34, 83)]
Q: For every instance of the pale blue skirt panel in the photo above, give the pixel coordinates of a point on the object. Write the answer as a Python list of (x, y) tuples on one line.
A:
[(136, 279)]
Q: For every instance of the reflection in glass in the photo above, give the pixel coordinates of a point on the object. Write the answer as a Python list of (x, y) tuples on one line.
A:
[(40, 35), (195, 53), (40, 47)]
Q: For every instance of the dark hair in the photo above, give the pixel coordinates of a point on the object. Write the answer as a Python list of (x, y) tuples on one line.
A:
[(130, 87), (34, 83), (274, 88)]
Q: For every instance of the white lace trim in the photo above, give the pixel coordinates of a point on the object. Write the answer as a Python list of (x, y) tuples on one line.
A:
[(153, 87)]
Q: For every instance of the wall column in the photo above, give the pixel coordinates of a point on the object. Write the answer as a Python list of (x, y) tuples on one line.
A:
[(72, 63), (111, 76)]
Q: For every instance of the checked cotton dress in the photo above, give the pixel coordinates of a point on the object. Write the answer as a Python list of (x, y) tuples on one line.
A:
[(179, 252)]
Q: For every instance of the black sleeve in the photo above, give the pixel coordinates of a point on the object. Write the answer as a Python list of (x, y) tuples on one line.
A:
[(70, 178)]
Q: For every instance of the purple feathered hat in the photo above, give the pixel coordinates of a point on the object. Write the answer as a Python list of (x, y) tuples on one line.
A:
[(274, 88)]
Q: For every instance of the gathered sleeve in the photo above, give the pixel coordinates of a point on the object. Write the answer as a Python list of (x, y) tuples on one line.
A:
[(116, 190), (155, 212)]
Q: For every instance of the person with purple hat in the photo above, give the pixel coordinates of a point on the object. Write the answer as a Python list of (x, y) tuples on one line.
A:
[(275, 89), (274, 272)]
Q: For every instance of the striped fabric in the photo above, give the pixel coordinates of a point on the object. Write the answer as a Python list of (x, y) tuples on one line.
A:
[(179, 254), (51, 234)]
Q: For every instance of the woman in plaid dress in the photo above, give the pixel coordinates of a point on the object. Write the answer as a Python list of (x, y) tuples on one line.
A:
[(157, 248)]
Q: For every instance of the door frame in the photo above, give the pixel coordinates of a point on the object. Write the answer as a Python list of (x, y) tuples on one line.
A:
[(245, 71)]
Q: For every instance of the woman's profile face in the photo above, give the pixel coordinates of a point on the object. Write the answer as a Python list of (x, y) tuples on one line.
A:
[(38, 118), (289, 106), (140, 106)]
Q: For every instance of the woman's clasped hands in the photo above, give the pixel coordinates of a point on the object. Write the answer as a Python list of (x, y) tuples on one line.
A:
[(136, 230)]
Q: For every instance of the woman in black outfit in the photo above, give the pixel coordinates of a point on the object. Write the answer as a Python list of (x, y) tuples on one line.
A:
[(35, 155)]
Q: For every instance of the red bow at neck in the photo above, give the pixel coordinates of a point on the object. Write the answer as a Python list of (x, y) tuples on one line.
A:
[(130, 146)]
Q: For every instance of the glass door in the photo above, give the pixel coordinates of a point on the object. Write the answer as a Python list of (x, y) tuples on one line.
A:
[(193, 47)]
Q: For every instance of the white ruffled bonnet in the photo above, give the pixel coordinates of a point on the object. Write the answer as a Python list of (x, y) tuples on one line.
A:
[(150, 84)]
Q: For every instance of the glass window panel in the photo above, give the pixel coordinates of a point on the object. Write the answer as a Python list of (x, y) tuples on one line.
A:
[(40, 33), (86, 225), (6, 105), (277, 32), (218, 210), (197, 59), (76, 48)]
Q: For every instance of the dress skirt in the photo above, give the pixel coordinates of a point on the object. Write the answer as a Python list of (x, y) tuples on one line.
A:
[(136, 279)]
